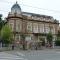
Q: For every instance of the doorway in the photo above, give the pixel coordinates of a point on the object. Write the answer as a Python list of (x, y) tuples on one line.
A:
[(42, 41)]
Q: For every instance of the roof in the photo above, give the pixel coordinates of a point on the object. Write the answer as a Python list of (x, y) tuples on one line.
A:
[(16, 7), (38, 15)]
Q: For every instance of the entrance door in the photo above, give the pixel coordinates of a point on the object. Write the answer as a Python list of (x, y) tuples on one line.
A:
[(42, 41)]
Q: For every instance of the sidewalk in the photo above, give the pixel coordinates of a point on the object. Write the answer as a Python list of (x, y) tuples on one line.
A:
[(42, 49)]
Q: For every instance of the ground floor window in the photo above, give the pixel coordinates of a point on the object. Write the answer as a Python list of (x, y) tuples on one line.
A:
[(17, 37), (28, 38)]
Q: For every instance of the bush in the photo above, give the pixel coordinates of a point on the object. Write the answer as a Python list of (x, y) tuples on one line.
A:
[(57, 42)]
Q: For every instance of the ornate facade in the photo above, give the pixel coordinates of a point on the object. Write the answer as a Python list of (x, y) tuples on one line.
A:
[(34, 26)]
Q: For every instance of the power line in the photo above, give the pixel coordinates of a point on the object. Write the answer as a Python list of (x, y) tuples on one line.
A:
[(3, 10), (33, 7), (6, 1), (43, 8)]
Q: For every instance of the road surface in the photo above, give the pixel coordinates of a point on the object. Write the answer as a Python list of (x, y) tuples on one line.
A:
[(30, 55)]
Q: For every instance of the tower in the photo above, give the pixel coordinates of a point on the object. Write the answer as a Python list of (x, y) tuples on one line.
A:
[(15, 21)]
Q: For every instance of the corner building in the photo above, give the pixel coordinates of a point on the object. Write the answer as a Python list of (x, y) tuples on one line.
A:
[(34, 26)]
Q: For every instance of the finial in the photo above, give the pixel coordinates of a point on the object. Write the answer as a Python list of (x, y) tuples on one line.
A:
[(16, 2)]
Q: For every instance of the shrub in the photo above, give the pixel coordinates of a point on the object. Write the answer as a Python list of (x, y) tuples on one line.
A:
[(57, 42)]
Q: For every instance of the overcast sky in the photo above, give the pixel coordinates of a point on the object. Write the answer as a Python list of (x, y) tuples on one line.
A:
[(45, 7)]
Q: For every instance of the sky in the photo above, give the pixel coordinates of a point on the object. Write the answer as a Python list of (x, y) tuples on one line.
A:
[(44, 7)]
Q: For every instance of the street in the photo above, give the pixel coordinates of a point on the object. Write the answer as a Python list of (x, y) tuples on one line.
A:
[(7, 56), (30, 55)]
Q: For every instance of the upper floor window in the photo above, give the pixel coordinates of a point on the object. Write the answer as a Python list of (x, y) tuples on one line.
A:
[(41, 28), (52, 30), (18, 26), (11, 24), (35, 27), (29, 27), (47, 29)]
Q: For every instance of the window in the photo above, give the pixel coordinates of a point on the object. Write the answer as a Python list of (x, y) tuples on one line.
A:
[(18, 26), (47, 29), (11, 24), (17, 37), (35, 27), (41, 28), (28, 38), (52, 29), (29, 27)]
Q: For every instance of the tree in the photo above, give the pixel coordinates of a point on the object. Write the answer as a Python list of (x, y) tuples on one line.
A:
[(49, 38), (58, 35), (57, 42), (1, 22), (6, 34)]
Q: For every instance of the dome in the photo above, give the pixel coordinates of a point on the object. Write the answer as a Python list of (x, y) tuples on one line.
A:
[(16, 8)]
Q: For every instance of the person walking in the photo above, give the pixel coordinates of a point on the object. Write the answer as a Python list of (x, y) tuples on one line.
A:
[(12, 47)]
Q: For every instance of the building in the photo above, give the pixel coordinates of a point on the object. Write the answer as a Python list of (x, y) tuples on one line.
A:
[(33, 26)]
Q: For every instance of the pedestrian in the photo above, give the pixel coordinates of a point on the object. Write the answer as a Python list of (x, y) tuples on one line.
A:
[(36, 47), (12, 47)]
